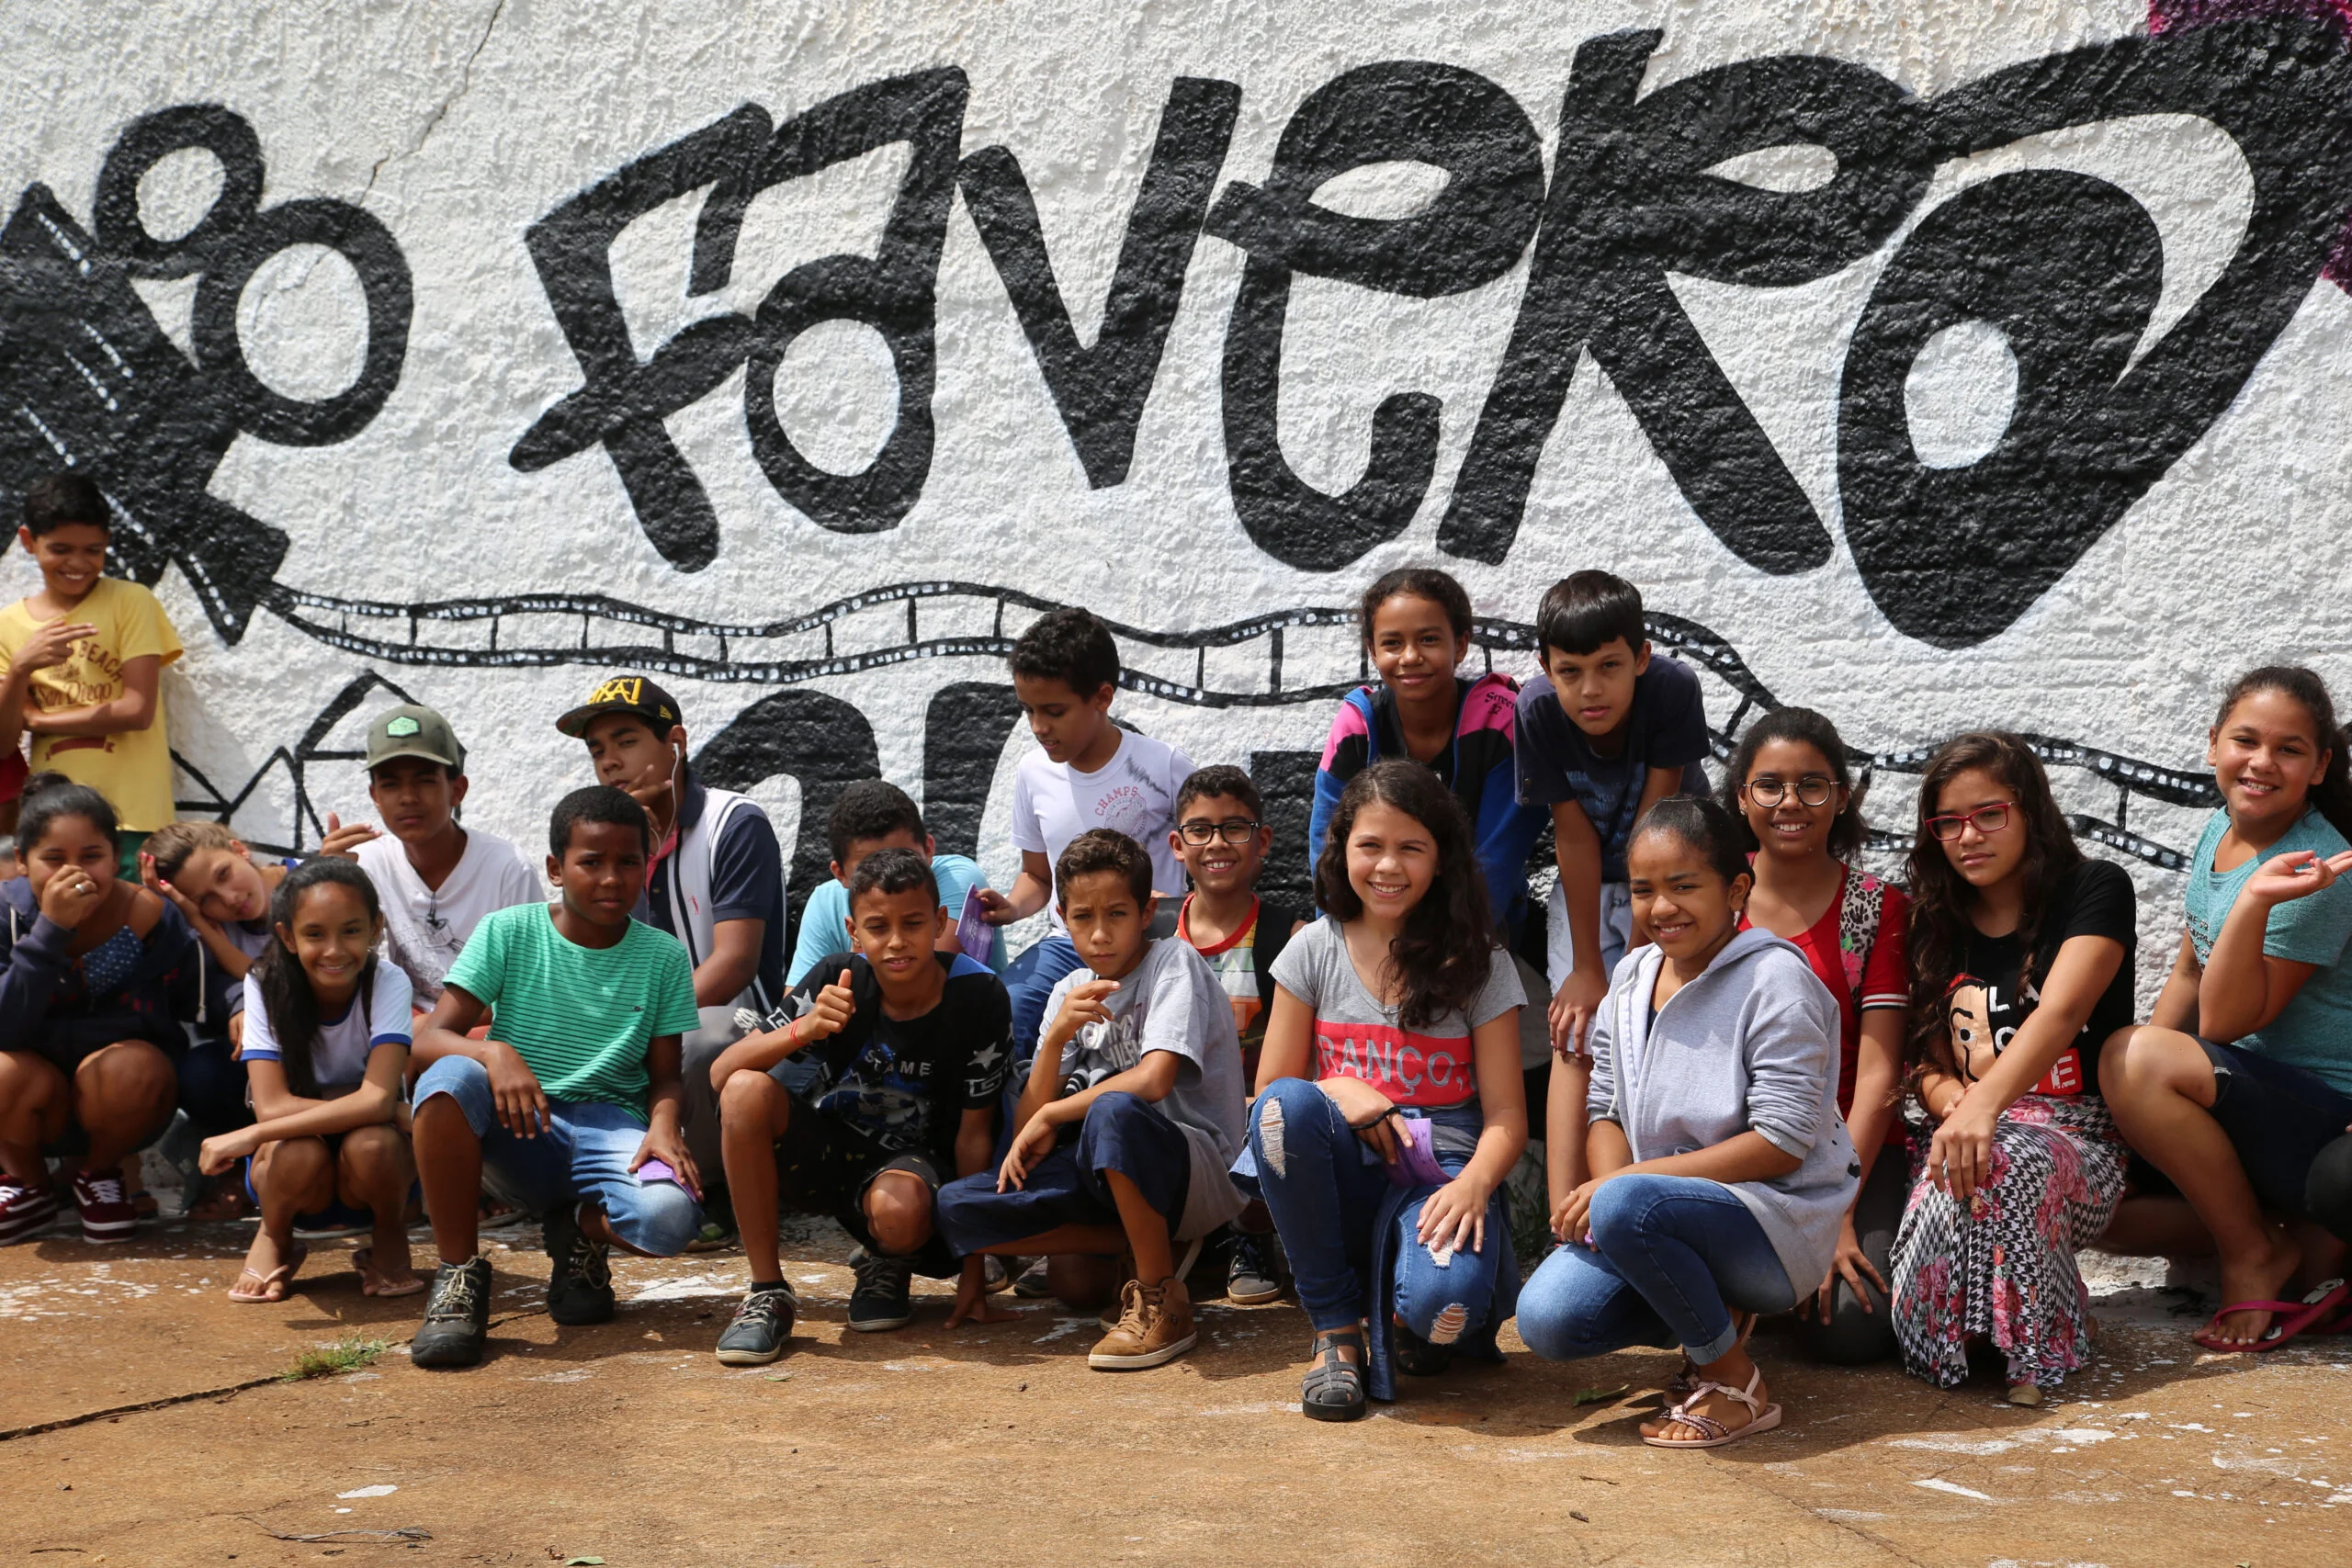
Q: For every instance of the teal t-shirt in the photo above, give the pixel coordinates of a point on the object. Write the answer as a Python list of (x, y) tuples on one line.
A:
[(581, 1017), (823, 921), (2314, 1031)]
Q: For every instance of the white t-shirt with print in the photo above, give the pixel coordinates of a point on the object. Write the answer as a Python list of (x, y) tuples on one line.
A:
[(339, 1055), (426, 928), (1134, 793)]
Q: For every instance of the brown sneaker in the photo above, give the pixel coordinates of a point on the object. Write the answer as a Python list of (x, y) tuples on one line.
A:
[(1155, 1326)]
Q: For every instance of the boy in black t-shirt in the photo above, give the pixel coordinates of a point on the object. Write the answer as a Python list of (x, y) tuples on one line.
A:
[(911, 1046)]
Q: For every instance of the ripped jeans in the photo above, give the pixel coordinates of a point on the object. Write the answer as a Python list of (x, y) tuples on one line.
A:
[(1324, 1187)]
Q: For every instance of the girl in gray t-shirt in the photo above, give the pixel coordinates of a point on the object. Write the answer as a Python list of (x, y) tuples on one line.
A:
[(1391, 1106)]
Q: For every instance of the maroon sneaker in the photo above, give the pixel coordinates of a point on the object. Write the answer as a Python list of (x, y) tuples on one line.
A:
[(24, 1209), (107, 1215)]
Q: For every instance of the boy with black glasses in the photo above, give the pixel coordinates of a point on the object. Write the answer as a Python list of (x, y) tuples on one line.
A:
[(1222, 840)]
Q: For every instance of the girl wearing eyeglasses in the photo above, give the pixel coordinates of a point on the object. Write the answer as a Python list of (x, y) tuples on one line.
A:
[(2020, 966), (1792, 793)]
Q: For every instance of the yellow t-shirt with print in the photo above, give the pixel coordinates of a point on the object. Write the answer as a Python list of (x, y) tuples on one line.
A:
[(133, 768)]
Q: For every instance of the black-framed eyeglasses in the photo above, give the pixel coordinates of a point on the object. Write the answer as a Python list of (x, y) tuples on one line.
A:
[(1813, 789), (1233, 830), (1985, 820)]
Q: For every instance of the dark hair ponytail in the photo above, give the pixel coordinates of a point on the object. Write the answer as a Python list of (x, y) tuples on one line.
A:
[(285, 994), (1417, 582), (2331, 794), (1703, 824), (1441, 957), (1805, 728), (49, 796)]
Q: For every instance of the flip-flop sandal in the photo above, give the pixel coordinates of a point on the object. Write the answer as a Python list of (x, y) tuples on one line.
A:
[(1715, 1434), (1333, 1388), (2324, 1302), (363, 1259), (280, 1279)]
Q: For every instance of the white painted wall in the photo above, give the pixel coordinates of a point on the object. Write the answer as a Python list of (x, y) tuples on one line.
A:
[(460, 124)]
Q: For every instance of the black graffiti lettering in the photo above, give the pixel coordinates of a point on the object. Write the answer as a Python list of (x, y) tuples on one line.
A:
[(623, 401), (1631, 201), (892, 291), (823, 743), (1101, 390), (2069, 267), (91, 383), (1473, 232), (964, 730)]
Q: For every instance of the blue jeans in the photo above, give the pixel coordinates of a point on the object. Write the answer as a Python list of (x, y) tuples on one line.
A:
[(1326, 1202), (583, 1152), (1070, 1187), (1670, 1257)]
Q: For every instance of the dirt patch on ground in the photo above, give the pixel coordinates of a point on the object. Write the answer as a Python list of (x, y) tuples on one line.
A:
[(629, 1443)]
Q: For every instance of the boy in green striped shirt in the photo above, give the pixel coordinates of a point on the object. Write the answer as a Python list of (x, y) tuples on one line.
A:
[(575, 1099)]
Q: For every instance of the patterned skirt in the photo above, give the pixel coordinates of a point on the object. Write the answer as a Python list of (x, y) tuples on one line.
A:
[(2002, 1265)]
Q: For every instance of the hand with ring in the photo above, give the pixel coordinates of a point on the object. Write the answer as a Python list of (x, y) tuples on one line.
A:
[(69, 897)]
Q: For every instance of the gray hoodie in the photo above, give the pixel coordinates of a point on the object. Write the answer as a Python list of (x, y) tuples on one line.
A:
[(1749, 1045)]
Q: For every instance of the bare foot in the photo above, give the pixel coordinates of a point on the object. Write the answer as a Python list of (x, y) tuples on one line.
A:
[(269, 1271), (384, 1269), (2255, 1277)]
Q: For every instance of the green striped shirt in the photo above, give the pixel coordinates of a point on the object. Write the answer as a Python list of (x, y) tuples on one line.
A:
[(581, 1017)]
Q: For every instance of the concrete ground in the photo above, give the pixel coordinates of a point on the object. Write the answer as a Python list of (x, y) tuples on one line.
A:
[(139, 1424)]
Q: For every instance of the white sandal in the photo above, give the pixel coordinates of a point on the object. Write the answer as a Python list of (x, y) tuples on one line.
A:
[(1765, 1416)]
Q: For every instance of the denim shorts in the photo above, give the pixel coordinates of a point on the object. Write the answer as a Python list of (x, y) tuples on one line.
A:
[(583, 1152), (2279, 1117)]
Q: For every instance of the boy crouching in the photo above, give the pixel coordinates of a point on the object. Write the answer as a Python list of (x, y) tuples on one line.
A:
[(1130, 1119)]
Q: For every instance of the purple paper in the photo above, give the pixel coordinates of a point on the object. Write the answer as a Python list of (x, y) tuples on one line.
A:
[(1416, 1163), (973, 932), (655, 1170)]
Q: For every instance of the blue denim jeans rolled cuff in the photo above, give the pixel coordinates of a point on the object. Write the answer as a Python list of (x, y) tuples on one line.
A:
[(583, 1152), (1326, 1202), (1070, 1186), (1672, 1257)]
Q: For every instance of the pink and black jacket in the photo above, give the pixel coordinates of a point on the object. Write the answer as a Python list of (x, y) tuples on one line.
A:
[(1477, 767)]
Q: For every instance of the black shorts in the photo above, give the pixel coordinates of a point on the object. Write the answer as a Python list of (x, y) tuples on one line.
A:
[(2279, 1117), (824, 1165)]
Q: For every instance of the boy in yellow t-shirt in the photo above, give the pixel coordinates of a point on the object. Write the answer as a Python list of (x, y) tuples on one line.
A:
[(80, 662)]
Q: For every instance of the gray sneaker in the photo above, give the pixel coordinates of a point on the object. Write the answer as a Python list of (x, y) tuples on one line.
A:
[(457, 1316), (1031, 1283), (580, 1284), (761, 1325), (1252, 1275), (883, 1298)]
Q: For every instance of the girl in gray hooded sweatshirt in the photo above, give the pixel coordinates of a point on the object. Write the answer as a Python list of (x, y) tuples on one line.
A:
[(1721, 1166)]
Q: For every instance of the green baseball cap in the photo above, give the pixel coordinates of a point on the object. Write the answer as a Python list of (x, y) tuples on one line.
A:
[(412, 731)]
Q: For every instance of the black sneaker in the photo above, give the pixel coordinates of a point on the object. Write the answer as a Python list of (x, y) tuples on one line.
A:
[(457, 1316), (1251, 1277), (882, 1299), (761, 1325), (580, 1286), (1032, 1283)]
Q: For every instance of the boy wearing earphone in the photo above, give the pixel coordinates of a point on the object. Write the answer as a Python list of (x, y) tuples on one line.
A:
[(716, 882)]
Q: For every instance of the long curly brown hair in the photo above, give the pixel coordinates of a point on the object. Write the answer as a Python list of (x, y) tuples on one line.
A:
[(1942, 898), (1440, 959)]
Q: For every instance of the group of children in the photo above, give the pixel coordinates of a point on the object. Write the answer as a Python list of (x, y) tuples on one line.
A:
[(1770, 1082)]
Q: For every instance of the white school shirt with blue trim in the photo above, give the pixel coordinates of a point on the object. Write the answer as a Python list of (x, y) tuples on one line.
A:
[(339, 1059)]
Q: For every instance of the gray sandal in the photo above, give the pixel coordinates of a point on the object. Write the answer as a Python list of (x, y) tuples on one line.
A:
[(1333, 1390)]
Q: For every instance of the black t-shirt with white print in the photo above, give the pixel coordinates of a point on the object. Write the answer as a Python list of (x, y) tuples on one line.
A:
[(1992, 998), (906, 1082)]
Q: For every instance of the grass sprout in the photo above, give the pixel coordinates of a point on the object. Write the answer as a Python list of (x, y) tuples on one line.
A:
[(348, 1354)]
